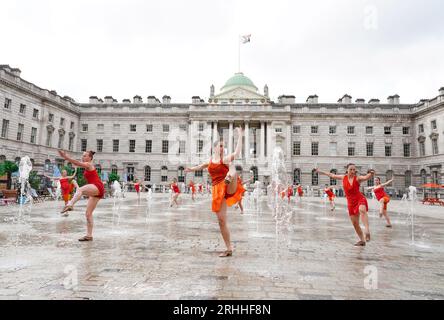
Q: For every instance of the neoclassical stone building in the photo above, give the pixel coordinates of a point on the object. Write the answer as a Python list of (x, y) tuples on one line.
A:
[(154, 140)]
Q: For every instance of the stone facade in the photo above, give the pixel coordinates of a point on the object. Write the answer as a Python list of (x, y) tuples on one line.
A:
[(404, 140)]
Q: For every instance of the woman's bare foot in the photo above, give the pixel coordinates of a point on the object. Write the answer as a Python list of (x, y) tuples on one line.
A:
[(67, 208), (226, 253)]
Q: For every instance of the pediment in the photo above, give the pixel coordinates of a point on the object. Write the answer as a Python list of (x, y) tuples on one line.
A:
[(239, 93)]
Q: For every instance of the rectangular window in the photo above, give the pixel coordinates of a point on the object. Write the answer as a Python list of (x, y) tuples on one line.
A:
[(332, 130), (133, 128), (183, 127), (421, 128), (99, 145), (388, 150), (71, 143), (8, 103), (115, 145), (278, 130), (22, 109), (351, 149), (315, 148), (72, 125), (84, 145), (62, 122), (406, 130), (148, 146), (84, 127), (51, 117), (35, 113), (433, 124), (149, 128), (61, 141), (369, 149), (166, 128), (296, 129), (33, 135), (435, 149), (21, 128), (350, 130), (116, 127), (182, 146), (422, 148), (201, 127), (296, 148), (5, 127), (406, 150), (333, 149), (368, 130), (165, 146), (100, 127), (314, 129), (387, 130), (132, 146), (200, 144)]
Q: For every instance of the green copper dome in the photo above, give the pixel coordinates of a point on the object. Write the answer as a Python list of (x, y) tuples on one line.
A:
[(239, 80)]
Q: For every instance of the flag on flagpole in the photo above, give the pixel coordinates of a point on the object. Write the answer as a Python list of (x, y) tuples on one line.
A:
[(246, 38)]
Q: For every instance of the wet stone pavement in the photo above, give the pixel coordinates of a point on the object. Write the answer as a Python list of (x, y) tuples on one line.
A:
[(157, 252)]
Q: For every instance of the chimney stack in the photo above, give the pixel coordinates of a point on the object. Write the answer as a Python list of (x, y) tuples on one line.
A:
[(93, 99), (137, 99), (166, 99), (152, 100), (396, 98), (360, 101), (195, 99), (441, 91), (126, 101), (346, 99), (283, 99), (109, 99), (374, 101)]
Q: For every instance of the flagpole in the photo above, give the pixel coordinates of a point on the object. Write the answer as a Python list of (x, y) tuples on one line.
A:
[(239, 44)]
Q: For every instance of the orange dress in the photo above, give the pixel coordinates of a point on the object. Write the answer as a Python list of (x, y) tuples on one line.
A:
[(218, 172)]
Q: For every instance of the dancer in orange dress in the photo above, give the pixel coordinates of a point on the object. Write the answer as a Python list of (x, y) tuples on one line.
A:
[(226, 190), (176, 193), (331, 196), (244, 184), (356, 201), (193, 189), (94, 189), (383, 198), (66, 184)]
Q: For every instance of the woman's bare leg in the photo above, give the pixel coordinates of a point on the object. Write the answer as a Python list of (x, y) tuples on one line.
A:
[(241, 206), (90, 206), (88, 190), (355, 222), (223, 225), (232, 186), (364, 217)]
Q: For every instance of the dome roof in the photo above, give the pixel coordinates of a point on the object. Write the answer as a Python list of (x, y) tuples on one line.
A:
[(239, 80)]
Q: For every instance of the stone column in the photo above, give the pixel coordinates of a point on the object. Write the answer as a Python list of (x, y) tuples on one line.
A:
[(230, 137), (247, 140), (215, 133), (262, 145), (288, 140), (270, 144)]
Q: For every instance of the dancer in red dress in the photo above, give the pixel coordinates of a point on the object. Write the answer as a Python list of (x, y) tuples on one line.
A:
[(289, 193), (300, 191), (193, 189), (331, 196), (66, 184), (94, 189), (356, 201), (244, 184), (176, 192), (226, 190), (383, 198)]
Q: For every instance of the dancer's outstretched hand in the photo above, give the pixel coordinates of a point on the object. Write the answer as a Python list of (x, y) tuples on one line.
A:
[(188, 170), (62, 153)]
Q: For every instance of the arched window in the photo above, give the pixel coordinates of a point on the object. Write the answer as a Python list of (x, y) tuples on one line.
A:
[(2, 158), (114, 169), (297, 176), (408, 178), (314, 178), (164, 174), (147, 173), (47, 165), (423, 176), (389, 175), (255, 173), (333, 182), (181, 174)]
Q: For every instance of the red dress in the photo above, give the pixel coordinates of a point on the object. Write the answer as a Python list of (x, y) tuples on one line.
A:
[(65, 186), (93, 178), (137, 187), (354, 197), (218, 172), (329, 193), (300, 191), (193, 188), (380, 194), (289, 192), (175, 188)]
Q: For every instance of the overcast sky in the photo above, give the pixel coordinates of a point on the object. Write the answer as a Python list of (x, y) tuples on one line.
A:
[(366, 48)]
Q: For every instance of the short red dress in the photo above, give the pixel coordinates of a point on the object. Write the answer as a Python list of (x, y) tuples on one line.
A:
[(300, 191), (329, 193), (93, 178), (137, 187), (175, 188), (380, 194), (354, 197), (65, 185), (218, 172)]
